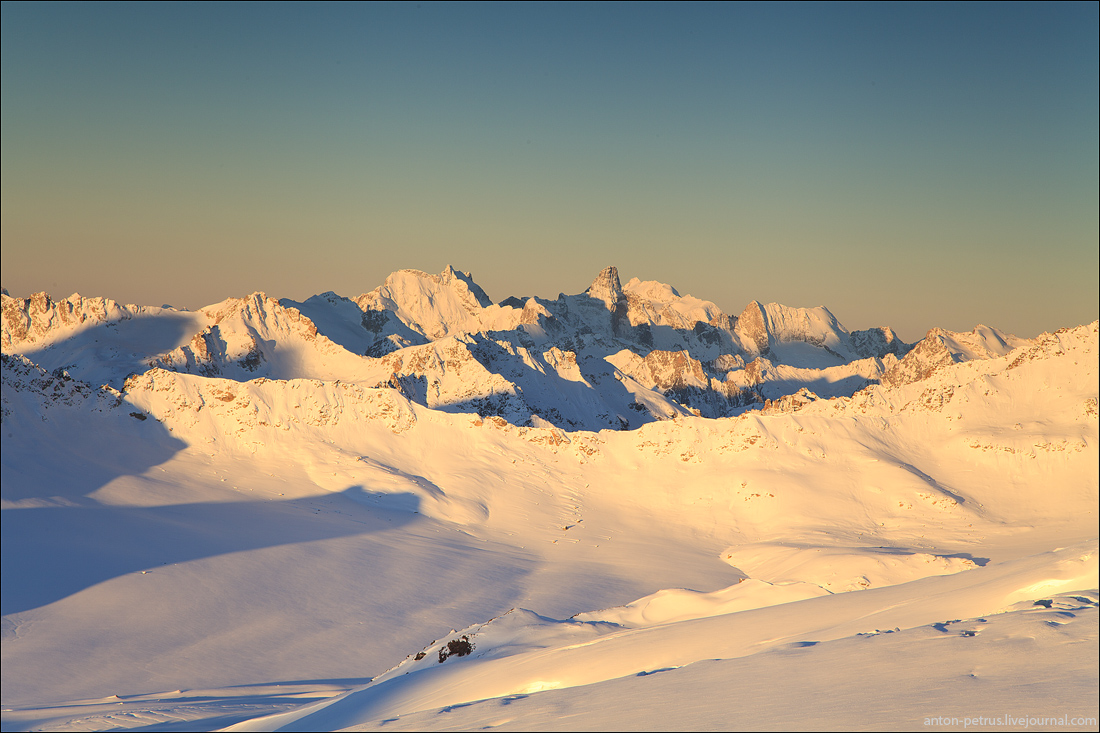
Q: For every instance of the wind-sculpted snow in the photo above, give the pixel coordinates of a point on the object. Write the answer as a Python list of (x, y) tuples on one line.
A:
[(278, 404), (500, 664), (840, 569)]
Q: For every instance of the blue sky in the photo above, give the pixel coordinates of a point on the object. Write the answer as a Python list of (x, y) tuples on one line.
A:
[(912, 165)]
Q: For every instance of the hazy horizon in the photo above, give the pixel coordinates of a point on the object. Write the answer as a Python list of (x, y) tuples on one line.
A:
[(904, 166)]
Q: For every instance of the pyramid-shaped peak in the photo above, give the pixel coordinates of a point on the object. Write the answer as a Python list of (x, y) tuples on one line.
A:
[(754, 305), (753, 327), (451, 276), (606, 286)]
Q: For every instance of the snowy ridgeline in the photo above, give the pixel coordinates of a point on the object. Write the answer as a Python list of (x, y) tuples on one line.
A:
[(611, 357), (251, 514)]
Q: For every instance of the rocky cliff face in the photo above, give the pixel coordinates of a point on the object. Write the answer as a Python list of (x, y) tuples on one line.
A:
[(752, 329), (920, 363), (877, 343), (606, 288)]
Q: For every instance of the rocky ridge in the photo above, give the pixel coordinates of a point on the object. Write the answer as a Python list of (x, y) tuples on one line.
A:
[(32, 320), (610, 357)]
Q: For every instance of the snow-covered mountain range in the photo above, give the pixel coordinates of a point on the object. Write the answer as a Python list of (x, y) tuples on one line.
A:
[(611, 357), (276, 502)]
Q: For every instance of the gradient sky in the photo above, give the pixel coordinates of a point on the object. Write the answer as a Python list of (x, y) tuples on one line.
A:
[(912, 165)]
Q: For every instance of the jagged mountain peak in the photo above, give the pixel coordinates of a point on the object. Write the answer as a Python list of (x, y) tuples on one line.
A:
[(41, 319), (877, 342), (606, 286), (453, 277), (941, 347), (752, 327)]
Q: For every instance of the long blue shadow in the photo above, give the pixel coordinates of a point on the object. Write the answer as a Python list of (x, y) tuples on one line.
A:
[(105, 353), (56, 540), (51, 553)]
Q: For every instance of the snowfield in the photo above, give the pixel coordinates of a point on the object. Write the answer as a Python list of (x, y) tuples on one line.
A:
[(620, 510)]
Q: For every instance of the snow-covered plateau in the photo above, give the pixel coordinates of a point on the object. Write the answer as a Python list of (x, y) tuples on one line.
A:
[(625, 509)]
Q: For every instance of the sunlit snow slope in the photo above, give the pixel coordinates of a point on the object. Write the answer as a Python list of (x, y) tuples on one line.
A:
[(252, 513)]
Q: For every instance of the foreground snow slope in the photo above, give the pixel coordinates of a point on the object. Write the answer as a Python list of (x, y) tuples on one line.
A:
[(983, 673), (495, 669), (281, 519), (990, 667)]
